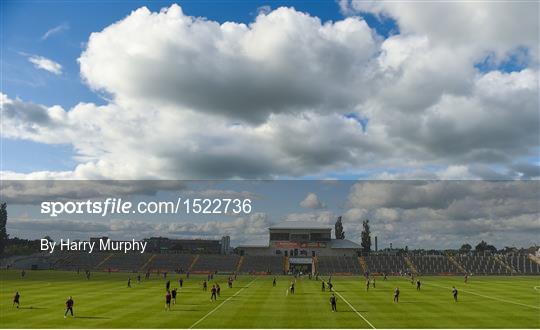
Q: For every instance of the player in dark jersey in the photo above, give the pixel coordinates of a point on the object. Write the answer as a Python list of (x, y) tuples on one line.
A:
[(181, 282), (229, 282), (274, 282), (173, 295), (466, 278), (168, 298), (139, 278), (213, 297), (367, 284), (292, 288), (385, 277), (323, 286), (23, 273), (129, 282), (396, 295), (204, 286), (168, 285), (69, 307), (16, 298), (454, 293), (333, 303), (373, 282), (218, 290), (418, 284), (330, 286)]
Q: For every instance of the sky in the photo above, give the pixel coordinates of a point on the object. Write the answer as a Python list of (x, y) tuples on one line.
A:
[(303, 90), (418, 214)]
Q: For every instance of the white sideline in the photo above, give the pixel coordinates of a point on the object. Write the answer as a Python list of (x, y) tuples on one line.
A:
[(489, 297), (354, 310), (218, 306)]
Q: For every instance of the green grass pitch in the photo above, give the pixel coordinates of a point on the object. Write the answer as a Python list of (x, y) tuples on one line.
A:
[(104, 301)]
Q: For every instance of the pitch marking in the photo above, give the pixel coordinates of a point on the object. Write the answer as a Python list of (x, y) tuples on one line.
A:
[(489, 297), (215, 309), (354, 310)]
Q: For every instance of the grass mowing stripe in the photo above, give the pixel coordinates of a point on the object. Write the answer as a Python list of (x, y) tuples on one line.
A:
[(354, 310), (215, 309), (489, 297)]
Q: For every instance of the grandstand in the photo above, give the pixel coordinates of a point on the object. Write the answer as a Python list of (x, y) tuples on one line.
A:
[(338, 265), (522, 264), (215, 263), (170, 262), (123, 262), (262, 265), (386, 264), (77, 261), (481, 264), (293, 247), (433, 265)]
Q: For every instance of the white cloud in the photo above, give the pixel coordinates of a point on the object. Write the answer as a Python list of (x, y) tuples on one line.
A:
[(55, 30), (478, 26), (46, 64), (268, 99), (312, 201), (249, 228), (450, 212)]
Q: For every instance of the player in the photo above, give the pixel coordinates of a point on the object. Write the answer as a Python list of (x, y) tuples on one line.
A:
[(373, 282), (274, 282), (23, 273), (168, 285), (69, 307), (204, 286), (323, 286), (333, 303), (129, 282), (218, 290), (385, 277), (213, 297), (466, 278), (367, 284), (168, 298), (330, 286), (181, 281), (396, 295), (292, 288), (173, 296), (454, 293), (16, 298), (418, 284), (138, 278)]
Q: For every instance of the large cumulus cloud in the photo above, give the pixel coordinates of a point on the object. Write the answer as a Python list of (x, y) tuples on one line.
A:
[(291, 96)]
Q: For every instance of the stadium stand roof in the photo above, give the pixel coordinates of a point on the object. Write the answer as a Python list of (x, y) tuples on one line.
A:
[(299, 225), (344, 244)]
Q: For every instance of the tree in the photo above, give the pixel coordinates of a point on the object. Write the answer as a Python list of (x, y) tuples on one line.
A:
[(366, 237), (484, 246), (465, 248), (340, 234), (3, 232)]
